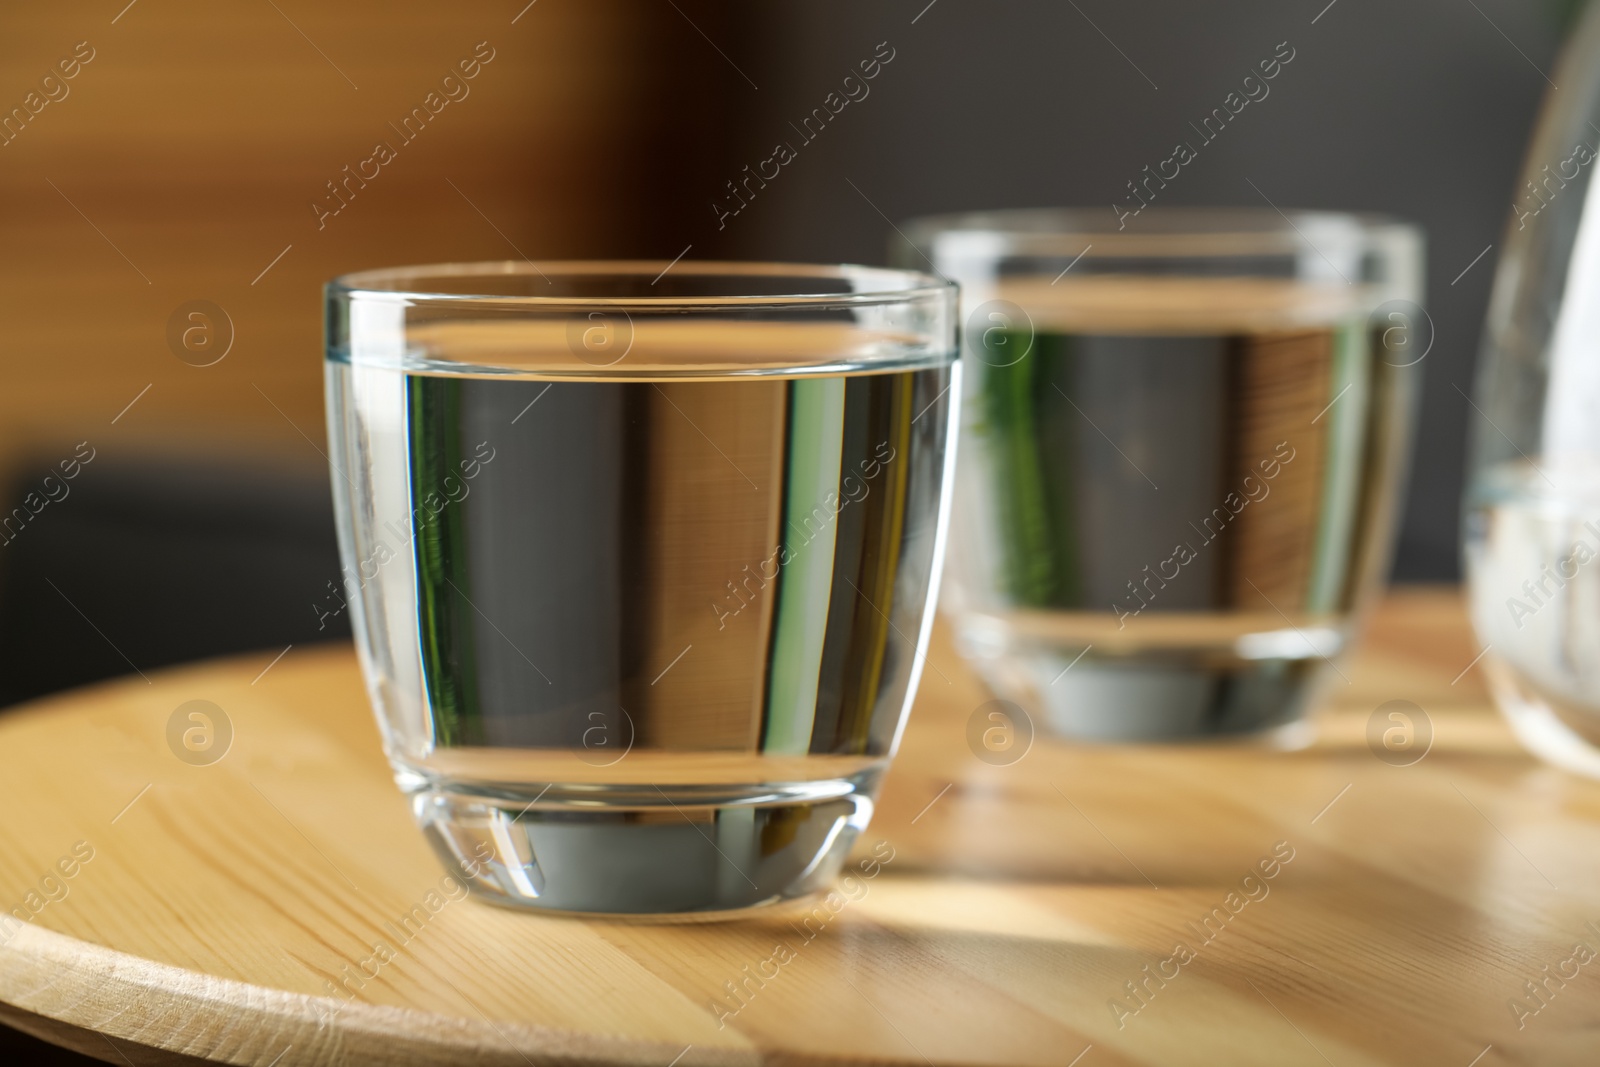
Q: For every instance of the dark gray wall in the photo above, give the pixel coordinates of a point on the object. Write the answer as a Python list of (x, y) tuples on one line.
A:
[(1418, 108)]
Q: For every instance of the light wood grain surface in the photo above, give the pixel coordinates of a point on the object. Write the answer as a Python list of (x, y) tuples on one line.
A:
[(1019, 900)]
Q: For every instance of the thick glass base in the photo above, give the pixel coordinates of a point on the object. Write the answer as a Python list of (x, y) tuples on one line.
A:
[(1158, 694), (644, 850)]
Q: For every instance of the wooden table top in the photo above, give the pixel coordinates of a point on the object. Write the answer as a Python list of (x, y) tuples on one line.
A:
[(187, 911)]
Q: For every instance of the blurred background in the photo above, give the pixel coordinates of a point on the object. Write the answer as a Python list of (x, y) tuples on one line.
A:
[(200, 150), (194, 152)]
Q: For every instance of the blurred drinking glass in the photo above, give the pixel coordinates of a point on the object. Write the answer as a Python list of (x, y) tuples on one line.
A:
[(1182, 447), (641, 559)]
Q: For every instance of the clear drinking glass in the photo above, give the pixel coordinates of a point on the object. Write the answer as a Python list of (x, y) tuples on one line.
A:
[(1182, 443), (641, 560), (1532, 519)]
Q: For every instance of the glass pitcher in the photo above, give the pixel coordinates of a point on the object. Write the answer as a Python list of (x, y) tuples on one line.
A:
[(1532, 509)]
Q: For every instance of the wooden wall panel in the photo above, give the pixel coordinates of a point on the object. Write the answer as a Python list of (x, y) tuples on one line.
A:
[(185, 156)]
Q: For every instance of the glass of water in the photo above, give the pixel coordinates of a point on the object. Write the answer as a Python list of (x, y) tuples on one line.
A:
[(1181, 448), (641, 559)]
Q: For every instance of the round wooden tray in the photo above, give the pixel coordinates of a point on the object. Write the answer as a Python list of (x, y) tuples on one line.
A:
[(180, 910)]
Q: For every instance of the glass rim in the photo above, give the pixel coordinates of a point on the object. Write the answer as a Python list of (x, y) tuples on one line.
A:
[(1158, 231), (871, 286)]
